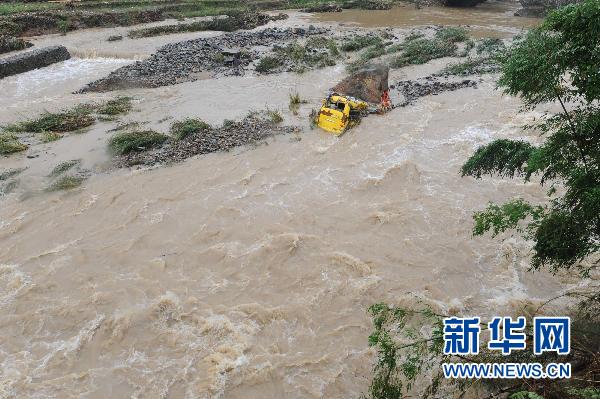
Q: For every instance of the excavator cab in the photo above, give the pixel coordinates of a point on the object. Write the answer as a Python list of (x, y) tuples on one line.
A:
[(340, 113)]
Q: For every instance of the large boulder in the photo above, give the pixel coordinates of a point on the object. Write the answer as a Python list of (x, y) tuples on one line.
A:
[(34, 59), (367, 84)]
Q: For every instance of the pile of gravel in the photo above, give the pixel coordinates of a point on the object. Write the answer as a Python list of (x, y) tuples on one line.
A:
[(413, 89), (183, 61), (252, 129)]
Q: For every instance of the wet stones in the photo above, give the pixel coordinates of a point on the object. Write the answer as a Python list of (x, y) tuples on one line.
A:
[(252, 129), (413, 90), (34, 59), (183, 61)]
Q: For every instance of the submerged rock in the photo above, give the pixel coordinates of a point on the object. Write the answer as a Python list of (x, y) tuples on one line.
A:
[(32, 60)]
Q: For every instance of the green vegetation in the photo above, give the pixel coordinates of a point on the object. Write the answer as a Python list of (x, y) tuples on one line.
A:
[(470, 66), (118, 106), (64, 166), (187, 127), (10, 43), (9, 143), (48, 137), (66, 183), (295, 101), (50, 125), (65, 121), (409, 342), (366, 56), (126, 142), (489, 46), (275, 116), (567, 229), (556, 62), (420, 51), (318, 52), (232, 22), (360, 42), (452, 34), (417, 49), (267, 64)]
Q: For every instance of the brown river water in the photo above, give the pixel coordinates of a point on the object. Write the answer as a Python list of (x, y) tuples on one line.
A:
[(246, 274)]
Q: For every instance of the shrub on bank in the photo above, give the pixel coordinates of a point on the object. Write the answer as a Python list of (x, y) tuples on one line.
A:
[(187, 127), (126, 142)]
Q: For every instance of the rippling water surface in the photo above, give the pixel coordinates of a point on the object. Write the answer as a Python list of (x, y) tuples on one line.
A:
[(247, 274)]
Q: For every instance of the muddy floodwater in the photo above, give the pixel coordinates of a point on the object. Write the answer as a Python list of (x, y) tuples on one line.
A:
[(247, 274), (489, 19)]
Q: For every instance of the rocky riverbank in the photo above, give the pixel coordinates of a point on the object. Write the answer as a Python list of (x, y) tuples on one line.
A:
[(412, 90), (252, 129), (225, 55)]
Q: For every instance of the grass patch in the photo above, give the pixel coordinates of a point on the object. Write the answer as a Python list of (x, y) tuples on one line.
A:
[(316, 53), (126, 142), (65, 121), (365, 57), (66, 183), (9, 143), (422, 50), (295, 101), (452, 34), (489, 46), (117, 106), (321, 42), (471, 66), (267, 64), (234, 21), (275, 116), (187, 127), (463, 68), (63, 167), (48, 137), (360, 42)]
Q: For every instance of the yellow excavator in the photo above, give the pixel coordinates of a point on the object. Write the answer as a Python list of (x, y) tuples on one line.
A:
[(340, 113), (360, 94)]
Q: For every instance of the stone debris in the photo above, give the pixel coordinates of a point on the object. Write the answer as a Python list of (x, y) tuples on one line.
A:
[(413, 90), (33, 59), (252, 129), (184, 61)]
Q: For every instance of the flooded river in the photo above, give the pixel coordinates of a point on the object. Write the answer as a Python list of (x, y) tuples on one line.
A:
[(248, 274)]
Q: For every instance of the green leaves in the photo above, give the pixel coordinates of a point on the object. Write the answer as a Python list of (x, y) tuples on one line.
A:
[(502, 157), (558, 62), (561, 57), (499, 218), (404, 352)]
